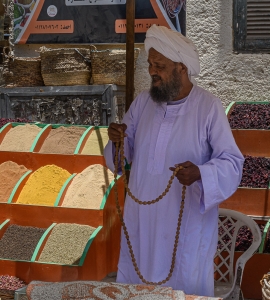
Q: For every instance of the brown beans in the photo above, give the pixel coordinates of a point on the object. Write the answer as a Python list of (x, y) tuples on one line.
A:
[(19, 242)]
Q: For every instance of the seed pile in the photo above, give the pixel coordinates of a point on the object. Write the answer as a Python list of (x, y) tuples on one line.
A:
[(19, 242), (4, 121), (250, 116), (62, 140), (10, 173), (96, 142), (88, 187), (10, 283), (43, 186), (66, 243), (256, 172), (20, 138)]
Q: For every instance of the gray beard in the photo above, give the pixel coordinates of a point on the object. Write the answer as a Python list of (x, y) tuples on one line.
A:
[(166, 91)]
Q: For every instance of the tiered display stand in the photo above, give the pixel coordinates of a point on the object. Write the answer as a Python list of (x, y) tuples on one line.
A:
[(254, 202), (101, 253)]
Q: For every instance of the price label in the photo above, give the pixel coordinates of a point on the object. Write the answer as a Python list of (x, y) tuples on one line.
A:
[(94, 2)]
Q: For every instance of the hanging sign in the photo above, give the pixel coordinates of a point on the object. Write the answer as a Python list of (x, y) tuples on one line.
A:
[(91, 21)]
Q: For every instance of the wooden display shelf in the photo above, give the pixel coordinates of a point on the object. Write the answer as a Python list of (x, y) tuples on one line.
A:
[(102, 255), (249, 201), (46, 129)]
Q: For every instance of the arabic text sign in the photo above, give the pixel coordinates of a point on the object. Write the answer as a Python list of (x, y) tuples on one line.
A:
[(94, 2), (53, 27)]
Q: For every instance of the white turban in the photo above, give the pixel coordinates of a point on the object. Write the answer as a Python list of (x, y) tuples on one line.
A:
[(173, 45)]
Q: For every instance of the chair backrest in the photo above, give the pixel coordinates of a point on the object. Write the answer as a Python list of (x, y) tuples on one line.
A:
[(230, 222)]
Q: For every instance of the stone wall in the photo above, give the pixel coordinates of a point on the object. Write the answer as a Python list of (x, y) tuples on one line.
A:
[(230, 76)]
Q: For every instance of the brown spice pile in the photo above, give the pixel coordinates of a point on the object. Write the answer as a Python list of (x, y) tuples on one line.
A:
[(62, 140), (10, 173)]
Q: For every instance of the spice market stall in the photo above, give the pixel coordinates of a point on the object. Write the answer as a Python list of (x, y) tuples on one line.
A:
[(57, 214)]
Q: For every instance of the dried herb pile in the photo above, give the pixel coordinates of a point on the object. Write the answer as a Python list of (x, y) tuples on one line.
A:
[(4, 121), (250, 116), (244, 238), (256, 172)]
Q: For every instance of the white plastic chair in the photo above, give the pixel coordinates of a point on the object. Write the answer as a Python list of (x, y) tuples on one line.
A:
[(228, 281)]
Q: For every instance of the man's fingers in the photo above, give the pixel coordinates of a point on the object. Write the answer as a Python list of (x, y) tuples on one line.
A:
[(114, 131)]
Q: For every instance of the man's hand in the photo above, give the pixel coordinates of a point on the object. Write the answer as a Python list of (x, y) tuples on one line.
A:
[(114, 131), (189, 174)]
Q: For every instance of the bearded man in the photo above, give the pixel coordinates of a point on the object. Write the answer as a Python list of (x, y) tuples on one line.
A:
[(175, 123)]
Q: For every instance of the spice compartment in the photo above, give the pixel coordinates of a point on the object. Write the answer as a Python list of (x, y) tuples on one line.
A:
[(62, 195), (94, 142), (255, 141), (49, 144), (5, 130)]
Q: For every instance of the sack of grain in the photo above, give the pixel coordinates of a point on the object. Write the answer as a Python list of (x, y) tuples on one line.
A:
[(22, 72), (65, 66), (109, 66)]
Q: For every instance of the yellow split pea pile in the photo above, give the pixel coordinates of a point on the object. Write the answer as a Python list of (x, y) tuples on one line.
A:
[(43, 186)]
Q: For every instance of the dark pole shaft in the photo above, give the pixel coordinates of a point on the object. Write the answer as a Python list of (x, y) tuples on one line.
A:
[(130, 37)]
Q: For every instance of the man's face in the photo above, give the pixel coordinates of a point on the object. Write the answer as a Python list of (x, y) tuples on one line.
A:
[(166, 78)]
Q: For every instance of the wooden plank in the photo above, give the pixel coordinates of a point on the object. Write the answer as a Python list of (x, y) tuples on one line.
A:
[(130, 37)]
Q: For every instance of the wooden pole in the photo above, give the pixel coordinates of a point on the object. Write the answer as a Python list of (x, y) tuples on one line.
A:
[(130, 37)]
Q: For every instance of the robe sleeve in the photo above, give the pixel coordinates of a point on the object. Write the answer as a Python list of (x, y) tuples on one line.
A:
[(131, 120), (221, 175)]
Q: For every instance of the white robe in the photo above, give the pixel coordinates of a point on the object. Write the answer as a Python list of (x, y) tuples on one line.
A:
[(160, 136)]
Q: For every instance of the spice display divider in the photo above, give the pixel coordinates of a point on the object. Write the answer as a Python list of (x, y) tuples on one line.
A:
[(105, 197), (264, 236), (3, 227), (40, 138), (4, 130), (42, 243), (55, 126), (18, 187), (62, 193), (83, 140), (87, 246)]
